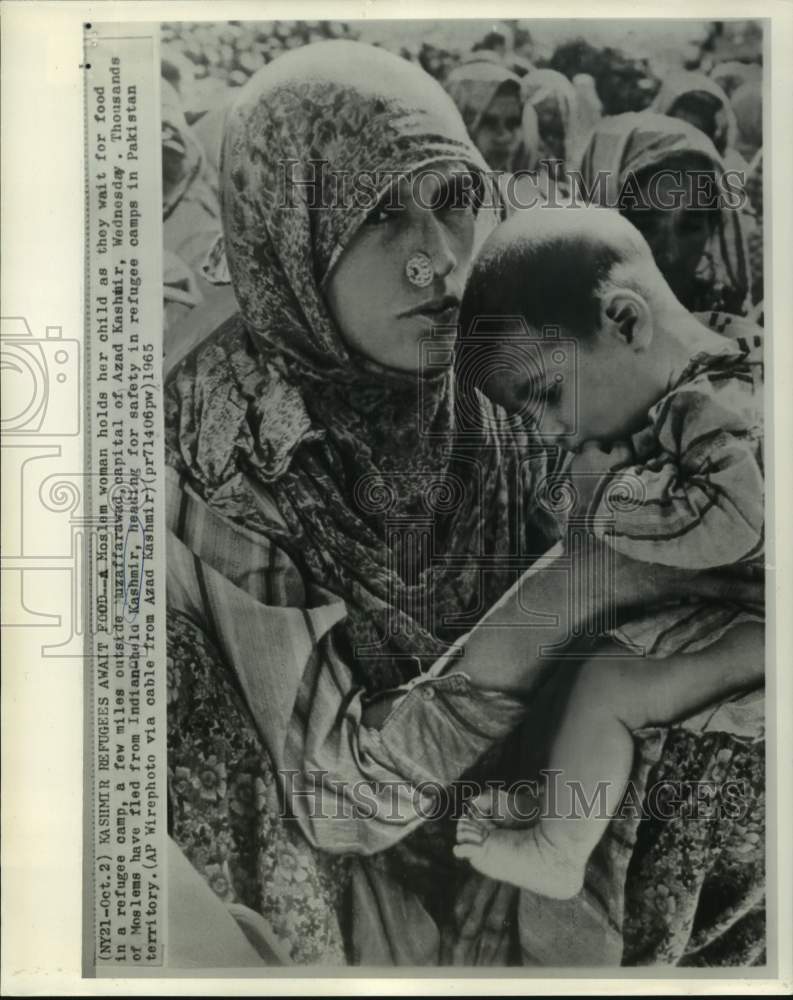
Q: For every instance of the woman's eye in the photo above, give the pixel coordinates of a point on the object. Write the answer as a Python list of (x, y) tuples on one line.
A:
[(459, 194), (494, 124), (382, 214)]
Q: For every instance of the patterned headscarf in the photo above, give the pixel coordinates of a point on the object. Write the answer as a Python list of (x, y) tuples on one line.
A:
[(681, 84), (350, 451), (182, 157), (623, 146)]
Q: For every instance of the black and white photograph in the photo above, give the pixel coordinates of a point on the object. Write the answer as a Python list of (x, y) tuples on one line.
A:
[(463, 415), (394, 556)]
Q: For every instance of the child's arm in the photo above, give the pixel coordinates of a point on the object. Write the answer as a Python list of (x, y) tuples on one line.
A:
[(699, 504)]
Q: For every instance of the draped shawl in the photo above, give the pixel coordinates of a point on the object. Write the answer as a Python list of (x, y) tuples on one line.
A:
[(417, 530), (622, 146)]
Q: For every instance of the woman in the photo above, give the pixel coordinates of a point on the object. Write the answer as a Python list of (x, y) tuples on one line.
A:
[(649, 166), (487, 95), (747, 103), (700, 101), (747, 106), (555, 100), (308, 450), (731, 75)]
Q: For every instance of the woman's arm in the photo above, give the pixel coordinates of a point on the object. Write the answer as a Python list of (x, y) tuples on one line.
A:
[(512, 646)]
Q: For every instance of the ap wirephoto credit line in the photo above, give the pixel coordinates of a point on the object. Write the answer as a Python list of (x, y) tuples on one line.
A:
[(425, 515), (126, 614)]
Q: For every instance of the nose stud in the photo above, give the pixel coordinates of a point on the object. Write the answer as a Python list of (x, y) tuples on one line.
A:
[(419, 270)]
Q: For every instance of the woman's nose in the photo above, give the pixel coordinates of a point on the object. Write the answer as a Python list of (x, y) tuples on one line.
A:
[(438, 245), (663, 242)]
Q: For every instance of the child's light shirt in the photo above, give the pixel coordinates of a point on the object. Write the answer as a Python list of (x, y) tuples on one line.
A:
[(695, 496)]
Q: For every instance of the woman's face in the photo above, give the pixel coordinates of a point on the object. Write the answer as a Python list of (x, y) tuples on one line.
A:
[(703, 112), (678, 235), (380, 313), (551, 129), (498, 134)]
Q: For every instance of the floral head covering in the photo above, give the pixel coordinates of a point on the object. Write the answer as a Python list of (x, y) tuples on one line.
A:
[(386, 120), (683, 83), (343, 444), (182, 158), (625, 145)]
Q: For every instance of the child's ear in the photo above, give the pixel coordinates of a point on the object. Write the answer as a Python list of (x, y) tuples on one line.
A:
[(626, 315)]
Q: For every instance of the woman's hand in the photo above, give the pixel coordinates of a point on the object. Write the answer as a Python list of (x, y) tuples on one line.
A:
[(719, 587), (593, 459), (636, 584), (565, 591)]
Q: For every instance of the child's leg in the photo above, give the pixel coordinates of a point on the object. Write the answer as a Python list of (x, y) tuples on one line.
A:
[(593, 751), (589, 766)]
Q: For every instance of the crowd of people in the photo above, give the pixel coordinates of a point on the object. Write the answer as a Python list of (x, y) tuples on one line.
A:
[(583, 113), (369, 571)]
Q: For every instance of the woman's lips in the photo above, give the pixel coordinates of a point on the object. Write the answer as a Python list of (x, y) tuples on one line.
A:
[(444, 317), (440, 312)]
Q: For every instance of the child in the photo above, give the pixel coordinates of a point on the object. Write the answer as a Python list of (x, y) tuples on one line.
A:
[(665, 418)]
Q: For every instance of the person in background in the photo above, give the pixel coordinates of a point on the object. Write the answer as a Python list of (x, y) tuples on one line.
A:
[(747, 106), (438, 62), (566, 112), (519, 65), (505, 129), (495, 41), (488, 97), (747, 103), (732, 74), (555, 100), (589, 102), (631, 163), (624, 81), (698, 100)]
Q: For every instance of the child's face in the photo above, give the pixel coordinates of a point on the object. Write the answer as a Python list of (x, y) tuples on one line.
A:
[(575, 389)]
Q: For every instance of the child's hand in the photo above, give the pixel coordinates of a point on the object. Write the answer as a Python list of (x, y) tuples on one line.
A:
[(592, 458), (591, 463)]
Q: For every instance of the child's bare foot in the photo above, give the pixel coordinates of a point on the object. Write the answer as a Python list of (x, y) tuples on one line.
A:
[(526, 858)]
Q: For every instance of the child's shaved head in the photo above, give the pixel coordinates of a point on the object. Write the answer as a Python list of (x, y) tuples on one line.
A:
[(567, 321), (551, 266)]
